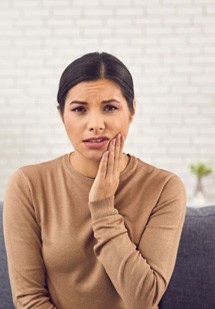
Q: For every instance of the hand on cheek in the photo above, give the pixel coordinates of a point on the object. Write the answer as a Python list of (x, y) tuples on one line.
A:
[(107, 178)]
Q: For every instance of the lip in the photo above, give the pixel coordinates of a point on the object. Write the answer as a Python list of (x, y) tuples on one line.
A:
[(95, 138), (96, 145)]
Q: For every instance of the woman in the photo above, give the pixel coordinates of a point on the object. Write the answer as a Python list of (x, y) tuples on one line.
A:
[(96, 228)]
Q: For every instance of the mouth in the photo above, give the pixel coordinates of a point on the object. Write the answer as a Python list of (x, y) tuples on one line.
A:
[(96, 142)]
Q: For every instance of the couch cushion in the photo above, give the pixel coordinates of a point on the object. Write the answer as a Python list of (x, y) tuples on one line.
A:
[(5, 298), (192, 285)]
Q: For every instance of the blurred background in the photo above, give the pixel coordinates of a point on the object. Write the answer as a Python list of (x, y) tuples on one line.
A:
[(169, 48)]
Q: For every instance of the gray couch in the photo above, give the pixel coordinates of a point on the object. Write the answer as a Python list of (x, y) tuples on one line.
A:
[(192, 285)]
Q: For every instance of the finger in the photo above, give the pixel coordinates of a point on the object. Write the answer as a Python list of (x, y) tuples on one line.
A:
[(117, 153), (122, 145), (102, 171), (111, 158)]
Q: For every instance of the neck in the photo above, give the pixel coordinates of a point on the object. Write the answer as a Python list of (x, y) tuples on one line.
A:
[(89, 168)]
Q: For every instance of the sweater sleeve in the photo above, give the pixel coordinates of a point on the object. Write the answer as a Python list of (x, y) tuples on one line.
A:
[(23, 246), (141, 273)]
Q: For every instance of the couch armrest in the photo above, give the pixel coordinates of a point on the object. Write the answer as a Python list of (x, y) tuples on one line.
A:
[(193, 281), (5, 290)]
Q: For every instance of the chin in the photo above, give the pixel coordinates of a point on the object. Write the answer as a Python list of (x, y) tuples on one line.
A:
[(85, 153), (91, 154), (95, 155)]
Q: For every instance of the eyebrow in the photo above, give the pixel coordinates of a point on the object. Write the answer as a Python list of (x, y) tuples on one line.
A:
[(103, 102)]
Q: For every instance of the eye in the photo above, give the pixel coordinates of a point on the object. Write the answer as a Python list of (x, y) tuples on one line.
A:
[(110, 108), (79, 109)]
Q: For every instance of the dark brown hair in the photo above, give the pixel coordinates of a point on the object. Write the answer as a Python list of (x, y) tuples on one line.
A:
[(94, 66)]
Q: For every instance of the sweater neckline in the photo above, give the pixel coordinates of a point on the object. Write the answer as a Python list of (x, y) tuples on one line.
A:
[(130, 166)]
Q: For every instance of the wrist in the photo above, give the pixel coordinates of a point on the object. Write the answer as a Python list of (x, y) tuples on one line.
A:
[(93, 199)]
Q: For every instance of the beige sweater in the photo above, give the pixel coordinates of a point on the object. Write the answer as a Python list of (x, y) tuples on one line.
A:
[(66, 253)]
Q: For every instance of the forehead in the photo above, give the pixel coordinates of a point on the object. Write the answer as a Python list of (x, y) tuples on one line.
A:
[(99, 88)]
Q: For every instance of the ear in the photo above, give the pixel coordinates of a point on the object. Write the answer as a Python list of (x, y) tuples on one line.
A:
[(60, 113), (131, 116)]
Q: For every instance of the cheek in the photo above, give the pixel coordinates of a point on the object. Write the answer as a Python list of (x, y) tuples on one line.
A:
[(122, 125), (71, 128)]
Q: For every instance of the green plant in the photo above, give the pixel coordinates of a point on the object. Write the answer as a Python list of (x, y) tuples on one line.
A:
[(201, 169)]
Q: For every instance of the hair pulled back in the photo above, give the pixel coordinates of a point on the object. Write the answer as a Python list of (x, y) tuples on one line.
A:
[(94, 66)]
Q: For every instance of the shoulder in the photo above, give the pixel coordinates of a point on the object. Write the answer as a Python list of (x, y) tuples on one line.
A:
[(166, 181), (153, 172), (169, 187), (35, 179), (42, 168), (36, 172)]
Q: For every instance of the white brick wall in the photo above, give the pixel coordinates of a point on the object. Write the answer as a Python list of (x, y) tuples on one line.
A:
[(169, 47)]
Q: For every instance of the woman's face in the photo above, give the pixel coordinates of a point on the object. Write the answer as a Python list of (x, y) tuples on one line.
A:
[(95, 112)]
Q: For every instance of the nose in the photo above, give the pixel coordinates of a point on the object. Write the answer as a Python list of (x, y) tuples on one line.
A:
[(96, 123)]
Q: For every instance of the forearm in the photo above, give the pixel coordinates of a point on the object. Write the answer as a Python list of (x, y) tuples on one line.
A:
[(140, 275), (33, 301), (137, 283)]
